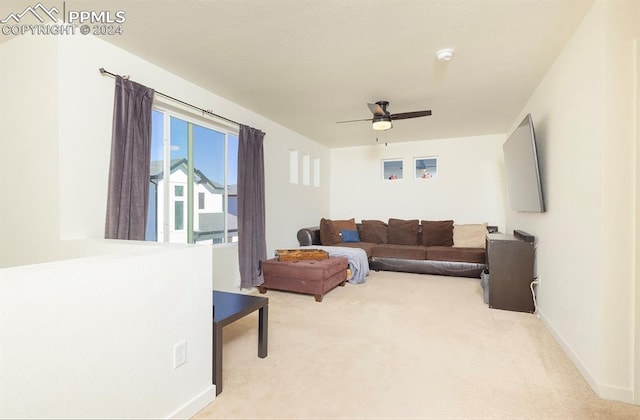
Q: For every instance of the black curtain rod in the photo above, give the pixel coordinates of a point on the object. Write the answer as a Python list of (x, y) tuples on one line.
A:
[(204, 111)]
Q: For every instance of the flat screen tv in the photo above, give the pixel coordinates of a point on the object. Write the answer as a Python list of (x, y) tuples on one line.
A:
[(521, 169)]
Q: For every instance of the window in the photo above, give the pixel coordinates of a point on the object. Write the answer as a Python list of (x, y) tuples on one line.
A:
[(193, 191), (316, 172), (306, 169), (178, 223), (293, 166)]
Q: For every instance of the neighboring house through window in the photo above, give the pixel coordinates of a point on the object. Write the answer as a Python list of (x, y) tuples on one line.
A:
[(199, 160), (178, 206)]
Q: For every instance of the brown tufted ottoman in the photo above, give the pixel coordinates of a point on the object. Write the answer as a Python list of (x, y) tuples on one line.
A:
[(305, 276)]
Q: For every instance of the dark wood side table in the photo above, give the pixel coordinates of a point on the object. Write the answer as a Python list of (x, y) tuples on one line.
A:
[(227, 308), (510, 261)]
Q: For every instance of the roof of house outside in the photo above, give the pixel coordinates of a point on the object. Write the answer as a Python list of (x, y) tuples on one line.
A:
[(157, 173)]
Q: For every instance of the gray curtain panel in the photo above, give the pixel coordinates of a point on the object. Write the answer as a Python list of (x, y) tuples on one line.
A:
[(128, 191), (252, 245)]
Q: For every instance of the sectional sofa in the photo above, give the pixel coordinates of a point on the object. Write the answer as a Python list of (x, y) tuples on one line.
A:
[(426, 246)]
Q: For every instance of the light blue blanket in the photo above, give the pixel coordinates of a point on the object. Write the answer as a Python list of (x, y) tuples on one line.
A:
[(356, 257)]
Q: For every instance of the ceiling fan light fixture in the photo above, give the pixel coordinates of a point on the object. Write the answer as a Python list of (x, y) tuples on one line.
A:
[(381, 122)]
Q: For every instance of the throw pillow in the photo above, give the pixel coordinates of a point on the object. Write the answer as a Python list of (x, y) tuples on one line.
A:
[(330, 230), (403, 232), (349, 235), (437, 233), (470, 236), (345, 224), (329, 235), (374, 231)]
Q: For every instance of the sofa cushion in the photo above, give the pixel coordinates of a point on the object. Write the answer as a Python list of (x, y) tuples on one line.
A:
[(456, 254), (403, 232), (374, 231), (437, 233), (412, 252), (330, 230), (366, 246), (470, 236), (349, 224), (329, 235)]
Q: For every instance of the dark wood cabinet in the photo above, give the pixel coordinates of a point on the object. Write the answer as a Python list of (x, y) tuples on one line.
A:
[(510, 260)]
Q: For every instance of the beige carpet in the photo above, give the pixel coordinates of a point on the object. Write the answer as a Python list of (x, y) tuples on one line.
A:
[(401, 346)]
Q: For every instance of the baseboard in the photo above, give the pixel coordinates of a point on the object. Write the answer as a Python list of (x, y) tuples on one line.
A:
[(603, 391), (616, 393), (199, 402)]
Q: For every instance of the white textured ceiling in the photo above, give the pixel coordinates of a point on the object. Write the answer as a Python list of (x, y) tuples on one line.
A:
[(309, 63)]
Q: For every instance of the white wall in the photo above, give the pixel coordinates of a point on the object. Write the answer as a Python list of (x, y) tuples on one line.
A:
[(85, 338), (637, 219), (583, 112), (467, 189), (29, 149), (618, 146)]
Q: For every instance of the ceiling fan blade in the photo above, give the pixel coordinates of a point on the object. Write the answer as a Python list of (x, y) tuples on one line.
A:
[(376, 109), (414, 114), (350, 121)]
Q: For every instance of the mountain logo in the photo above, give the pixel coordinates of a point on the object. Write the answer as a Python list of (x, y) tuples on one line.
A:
[(38, 11)]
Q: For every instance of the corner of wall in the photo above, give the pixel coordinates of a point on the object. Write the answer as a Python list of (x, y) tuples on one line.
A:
[(199, 402), (637, 212), (29, 109)]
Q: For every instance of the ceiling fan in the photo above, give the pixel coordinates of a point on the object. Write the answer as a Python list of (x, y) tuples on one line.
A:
[(382, 118)]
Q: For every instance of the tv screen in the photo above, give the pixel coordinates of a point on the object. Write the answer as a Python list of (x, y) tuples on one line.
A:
[(521, 167)]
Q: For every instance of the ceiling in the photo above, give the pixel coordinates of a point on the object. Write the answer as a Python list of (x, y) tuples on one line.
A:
[(309, 63)]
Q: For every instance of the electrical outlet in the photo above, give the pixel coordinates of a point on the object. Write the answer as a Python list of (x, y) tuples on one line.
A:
[(538, 280), (179, 354)]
